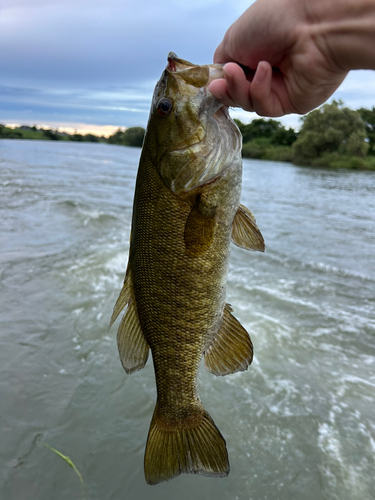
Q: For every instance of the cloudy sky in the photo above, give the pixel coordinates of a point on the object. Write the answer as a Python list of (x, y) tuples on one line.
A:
[(91, 64)]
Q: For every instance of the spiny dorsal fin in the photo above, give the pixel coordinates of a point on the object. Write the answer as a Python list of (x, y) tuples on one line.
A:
[(245, 232), (131, 343), (231, 350)]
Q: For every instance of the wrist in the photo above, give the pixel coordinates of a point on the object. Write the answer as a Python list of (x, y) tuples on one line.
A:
[(344, 32)]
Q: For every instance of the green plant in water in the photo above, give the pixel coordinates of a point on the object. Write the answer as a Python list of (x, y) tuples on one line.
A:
[(69, 461)]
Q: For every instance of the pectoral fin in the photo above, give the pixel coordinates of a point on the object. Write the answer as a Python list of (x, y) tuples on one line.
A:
[(199, 228), (132, 345), (231, 349), (245, 232)]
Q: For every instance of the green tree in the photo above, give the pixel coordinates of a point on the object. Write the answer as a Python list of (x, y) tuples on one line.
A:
[(117, 137), (272, 130), (133, 136), (368, 116), (90, 138), (284, 137), (51, 134), (76, 137), (9, 133), (330, 129), (258, 128)]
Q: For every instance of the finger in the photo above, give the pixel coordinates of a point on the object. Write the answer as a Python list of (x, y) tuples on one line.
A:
[(266, 101), (220, 55), (218, 89), (238, 87)]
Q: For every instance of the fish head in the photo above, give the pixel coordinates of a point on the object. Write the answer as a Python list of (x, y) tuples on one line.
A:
[(190, 133)]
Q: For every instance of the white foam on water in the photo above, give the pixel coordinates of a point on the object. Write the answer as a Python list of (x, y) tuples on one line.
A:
[(118, 263), (348, 383), (336, 468), (284, 297), (329, 443), (297, 264), (372, 443)]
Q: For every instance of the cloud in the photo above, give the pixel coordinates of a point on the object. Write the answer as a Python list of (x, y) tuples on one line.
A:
[(115, 40), (82, 105), (98, 61), (95, 61)]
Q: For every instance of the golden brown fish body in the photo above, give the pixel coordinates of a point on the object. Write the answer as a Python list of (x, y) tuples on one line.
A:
[(186, 209)]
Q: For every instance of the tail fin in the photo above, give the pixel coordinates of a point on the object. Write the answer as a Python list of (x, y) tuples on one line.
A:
[(194, 449)]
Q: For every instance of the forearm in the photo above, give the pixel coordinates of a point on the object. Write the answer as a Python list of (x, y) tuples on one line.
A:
[(344, 31)]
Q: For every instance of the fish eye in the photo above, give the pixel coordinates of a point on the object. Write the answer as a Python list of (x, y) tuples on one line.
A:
[(164, 106)]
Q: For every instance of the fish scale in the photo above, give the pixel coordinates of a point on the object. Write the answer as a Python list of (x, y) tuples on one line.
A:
[(186, 211), (170, 291)]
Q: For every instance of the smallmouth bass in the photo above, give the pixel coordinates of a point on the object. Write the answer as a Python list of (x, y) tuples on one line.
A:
[(186, 211)]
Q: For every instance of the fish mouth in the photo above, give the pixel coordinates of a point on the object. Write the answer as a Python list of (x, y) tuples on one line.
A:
[(211, 71), (209, 108), (222, 112)]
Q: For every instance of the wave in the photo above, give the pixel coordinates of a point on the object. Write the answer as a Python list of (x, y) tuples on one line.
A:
[(85, 214), (315, 266)]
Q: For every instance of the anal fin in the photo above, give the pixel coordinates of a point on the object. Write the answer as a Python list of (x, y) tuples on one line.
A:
[(231, 350), (245, 232)]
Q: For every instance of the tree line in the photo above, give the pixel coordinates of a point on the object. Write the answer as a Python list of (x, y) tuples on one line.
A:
[(26, 132), (330, 136), (132, 136)]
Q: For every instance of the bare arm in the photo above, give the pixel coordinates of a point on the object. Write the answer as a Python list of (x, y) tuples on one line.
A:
[(299, 50)]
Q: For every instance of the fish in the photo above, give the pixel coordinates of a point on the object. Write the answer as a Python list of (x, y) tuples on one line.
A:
[(186, 211)]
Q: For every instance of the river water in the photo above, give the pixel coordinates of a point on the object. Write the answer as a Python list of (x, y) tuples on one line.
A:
[(299, 424)]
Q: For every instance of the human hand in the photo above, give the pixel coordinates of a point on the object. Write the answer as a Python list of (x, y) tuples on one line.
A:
[(284, 43)]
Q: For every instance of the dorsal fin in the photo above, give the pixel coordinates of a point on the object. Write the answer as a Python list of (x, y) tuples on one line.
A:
[(123, 298), (132, 345)]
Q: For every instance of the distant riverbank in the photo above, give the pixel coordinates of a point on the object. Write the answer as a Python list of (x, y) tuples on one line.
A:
[(332, 136), (132, 136), (42, 134), (262, 150)]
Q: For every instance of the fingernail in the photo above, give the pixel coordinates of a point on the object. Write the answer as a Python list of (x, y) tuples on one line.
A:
[(217, 96), (260, 74)]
